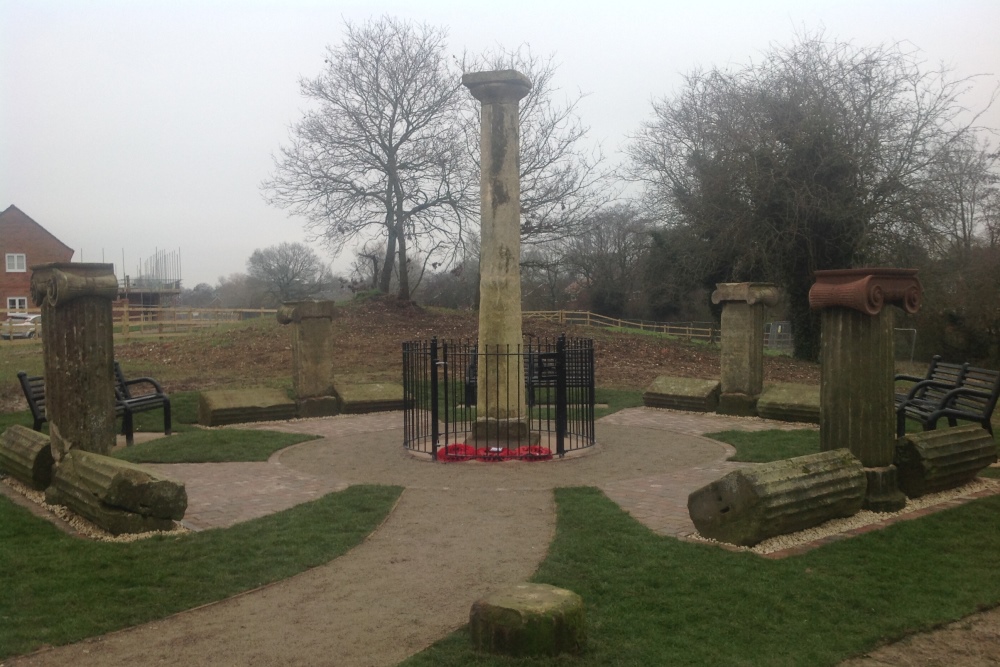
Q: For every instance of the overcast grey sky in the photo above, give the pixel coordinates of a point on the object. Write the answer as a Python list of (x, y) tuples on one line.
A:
[(132, 126)]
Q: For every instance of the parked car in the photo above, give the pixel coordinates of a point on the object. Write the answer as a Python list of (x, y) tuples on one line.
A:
[(21, 325)]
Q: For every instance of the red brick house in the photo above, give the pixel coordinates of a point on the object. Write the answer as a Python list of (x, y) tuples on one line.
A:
[(23, 244)]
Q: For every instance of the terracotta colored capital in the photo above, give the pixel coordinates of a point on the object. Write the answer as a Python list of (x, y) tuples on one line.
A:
[(866, 290)]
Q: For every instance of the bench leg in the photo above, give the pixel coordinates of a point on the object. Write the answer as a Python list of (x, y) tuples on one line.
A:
[(127, 428), (166, 416)]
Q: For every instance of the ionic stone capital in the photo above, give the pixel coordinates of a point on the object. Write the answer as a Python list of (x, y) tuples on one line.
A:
[(59, 283), (866, 290), (749, 293), (497, 87)]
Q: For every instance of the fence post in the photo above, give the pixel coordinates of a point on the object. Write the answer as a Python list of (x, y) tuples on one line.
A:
[(435, 435), (561, 415)]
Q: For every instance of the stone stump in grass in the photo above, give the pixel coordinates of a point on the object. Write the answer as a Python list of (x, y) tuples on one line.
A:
[(78, 351), (742, 350), (312, 355), (527, 620), (857, 368)]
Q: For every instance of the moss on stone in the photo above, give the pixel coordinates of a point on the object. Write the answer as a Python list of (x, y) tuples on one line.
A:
[(529, 620)]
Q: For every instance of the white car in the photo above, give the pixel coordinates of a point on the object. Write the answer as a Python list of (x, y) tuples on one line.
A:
[(21, 325)]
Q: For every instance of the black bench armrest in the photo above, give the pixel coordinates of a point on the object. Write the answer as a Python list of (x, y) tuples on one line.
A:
[(135, 381), (926, 383)]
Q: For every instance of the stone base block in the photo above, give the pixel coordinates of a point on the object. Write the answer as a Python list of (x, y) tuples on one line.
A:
[(26, 456), (529, 620), (323, 406), (942, 459), (742, 405), (236, 406), (790, 403), (748, 506), (373, 397), (682, 394), (883, 494)]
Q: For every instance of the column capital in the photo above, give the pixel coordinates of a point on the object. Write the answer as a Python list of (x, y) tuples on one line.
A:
[(866, 290), (750, 293), (61, 282), (296, 311), (497, 86)]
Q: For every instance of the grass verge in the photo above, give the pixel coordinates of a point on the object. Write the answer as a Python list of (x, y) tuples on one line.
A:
[(654, 600), (215, 446), (766, 446), (62, 589)]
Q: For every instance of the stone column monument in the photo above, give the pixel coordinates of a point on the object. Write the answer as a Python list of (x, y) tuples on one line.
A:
[(312, 355), (857, 367), (742, 359), (501, 412), (78, 350)]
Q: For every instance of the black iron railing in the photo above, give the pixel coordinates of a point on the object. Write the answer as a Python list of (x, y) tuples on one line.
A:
[(550, 412)]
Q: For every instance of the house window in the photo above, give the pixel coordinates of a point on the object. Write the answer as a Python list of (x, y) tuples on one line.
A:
[(16, 262), (17, 302)]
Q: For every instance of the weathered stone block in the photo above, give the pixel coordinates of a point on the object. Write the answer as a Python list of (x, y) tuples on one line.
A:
[(118, 496), (125, 485), (323, 406), (26, 456), (790, 403), (682, 394), (743, 405), (238, 406), (529, 620), (750, 505), (942, 459), (371, 397)]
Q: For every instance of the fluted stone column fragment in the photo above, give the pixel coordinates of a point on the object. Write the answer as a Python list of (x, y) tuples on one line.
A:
[(312, 355), (501, 412), (857, 367), (742, 358), (78, 350)]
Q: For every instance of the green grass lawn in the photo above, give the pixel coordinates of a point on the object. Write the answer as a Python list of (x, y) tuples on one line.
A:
[(59, 589), (653, 600), (211, 446), (765, 446)]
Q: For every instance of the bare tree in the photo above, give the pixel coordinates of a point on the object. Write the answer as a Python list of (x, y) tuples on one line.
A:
[(819, 156), (381, 154), (289, 271), (607, 259), (562, 179)]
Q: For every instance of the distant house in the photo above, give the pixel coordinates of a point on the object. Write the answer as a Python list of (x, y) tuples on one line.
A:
[(24, 243)]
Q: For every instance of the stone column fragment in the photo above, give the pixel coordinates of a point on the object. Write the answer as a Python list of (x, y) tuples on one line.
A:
[(78, 349), (742, 358), (857, 367), (312, 355), (501, 411)]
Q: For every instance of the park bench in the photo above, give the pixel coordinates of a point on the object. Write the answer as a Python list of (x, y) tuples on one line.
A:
[(539, 373), (127, 401), (950, 391)]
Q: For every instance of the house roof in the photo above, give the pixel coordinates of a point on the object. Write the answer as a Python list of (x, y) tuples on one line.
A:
[(14, 215)]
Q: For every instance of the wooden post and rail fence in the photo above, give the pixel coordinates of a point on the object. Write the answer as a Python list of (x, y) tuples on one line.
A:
[(132, 322)]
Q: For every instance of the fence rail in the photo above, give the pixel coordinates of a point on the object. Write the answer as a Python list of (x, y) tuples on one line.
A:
[(706, 331), (142, 321)]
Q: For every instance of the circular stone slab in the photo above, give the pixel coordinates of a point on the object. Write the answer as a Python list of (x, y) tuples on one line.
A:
[(529, 620)]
